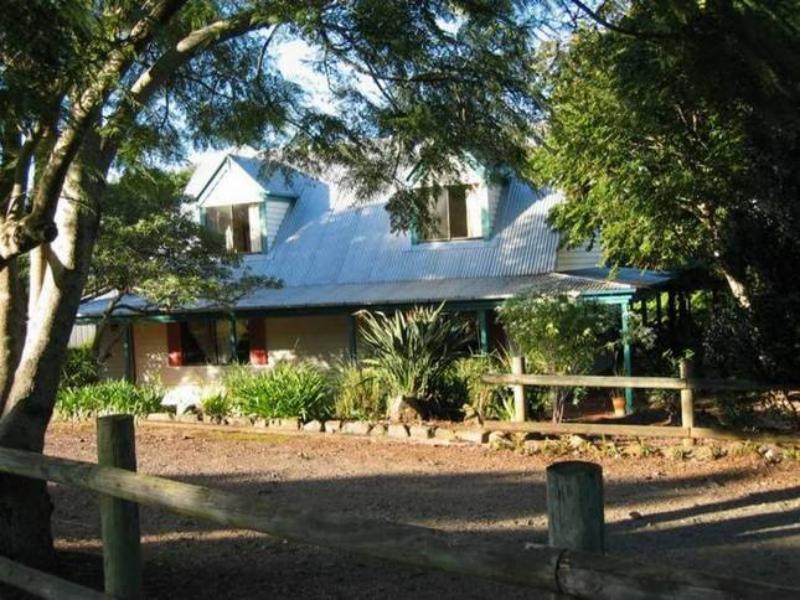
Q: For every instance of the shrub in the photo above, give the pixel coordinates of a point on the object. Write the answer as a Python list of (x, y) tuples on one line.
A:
[(107, 397), (358, 393), (217, 406), (287, 390), (481, 399), (557, 334), (412, 351), (80, 368)]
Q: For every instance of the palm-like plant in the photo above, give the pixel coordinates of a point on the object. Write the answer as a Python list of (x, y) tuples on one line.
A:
[(411, 352)]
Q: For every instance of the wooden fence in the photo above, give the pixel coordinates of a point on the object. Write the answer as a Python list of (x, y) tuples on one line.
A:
[(685, 384), (562, 568)]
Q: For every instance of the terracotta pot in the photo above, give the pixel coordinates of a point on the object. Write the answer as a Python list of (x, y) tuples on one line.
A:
[(619, 404)]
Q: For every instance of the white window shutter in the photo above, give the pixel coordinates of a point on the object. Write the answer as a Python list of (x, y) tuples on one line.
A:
[(254, 216)]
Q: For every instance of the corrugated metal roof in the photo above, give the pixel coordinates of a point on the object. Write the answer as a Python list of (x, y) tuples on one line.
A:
[(331, 250), (352, 243), (357, 295)]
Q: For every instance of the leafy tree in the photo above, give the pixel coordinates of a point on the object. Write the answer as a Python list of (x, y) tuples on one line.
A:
[(150, 245), (90, 86), (557, 335), (676, 135)]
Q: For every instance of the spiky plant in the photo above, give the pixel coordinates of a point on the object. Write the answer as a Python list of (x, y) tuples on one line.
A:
[(412, 350)]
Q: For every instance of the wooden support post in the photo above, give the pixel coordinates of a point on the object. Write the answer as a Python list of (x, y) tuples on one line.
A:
[(658, 310), (127, 352), (122, 554), (520, 406), (352, 337), (687, 401), (233, 339), (627, 367), (575, 518), (483, 331)]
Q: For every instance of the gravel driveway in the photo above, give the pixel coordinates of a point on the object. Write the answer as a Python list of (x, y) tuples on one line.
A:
[(736, 516)]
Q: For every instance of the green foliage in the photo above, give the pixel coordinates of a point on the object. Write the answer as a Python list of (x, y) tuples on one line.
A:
[(107, 397), (286, 390), (80, 368), (680, 146), (149, 244), (483, 400), (217, 406), (358, 393), (556, 334), (412, 351)]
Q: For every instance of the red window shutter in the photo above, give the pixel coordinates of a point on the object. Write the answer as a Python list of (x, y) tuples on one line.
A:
[(174, 348), (258, 342)]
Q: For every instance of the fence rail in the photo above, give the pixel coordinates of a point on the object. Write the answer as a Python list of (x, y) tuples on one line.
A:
[(685, 384), (566, 571)]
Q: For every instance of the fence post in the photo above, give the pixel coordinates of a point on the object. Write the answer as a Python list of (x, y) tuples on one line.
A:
[(687, 400), (575, 518), (520, 406), (122, 554)]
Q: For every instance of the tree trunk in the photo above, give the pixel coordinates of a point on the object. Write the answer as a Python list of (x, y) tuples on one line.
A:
[(25, 507)]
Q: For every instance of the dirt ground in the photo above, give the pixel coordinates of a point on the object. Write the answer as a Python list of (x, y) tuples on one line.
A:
[(736, 516)]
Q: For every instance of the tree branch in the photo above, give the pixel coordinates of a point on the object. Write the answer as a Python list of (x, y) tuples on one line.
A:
[(143, 89)]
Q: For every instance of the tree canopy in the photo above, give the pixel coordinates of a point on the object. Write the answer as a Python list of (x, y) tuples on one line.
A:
[(676, 137)]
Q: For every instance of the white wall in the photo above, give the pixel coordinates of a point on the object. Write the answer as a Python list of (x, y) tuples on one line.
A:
[(320, 339), (570, 259)]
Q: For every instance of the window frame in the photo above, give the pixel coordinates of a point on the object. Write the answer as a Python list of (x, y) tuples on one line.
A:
[(422, 239), (253, 229)]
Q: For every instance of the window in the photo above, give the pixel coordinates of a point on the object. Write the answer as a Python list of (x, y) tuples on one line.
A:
[(239, 224), (209, 342), (451, 215)]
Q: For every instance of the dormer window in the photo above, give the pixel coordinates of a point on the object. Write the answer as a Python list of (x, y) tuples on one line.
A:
[(451, 212), (239, 224)]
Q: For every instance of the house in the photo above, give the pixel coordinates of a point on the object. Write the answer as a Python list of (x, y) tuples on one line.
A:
[(337, 256)]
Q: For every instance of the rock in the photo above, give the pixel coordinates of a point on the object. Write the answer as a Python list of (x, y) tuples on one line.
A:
[(314, 427), (160, 417), (475, 436), (420, 432), (288, 424), (398, 430), (531, 447), (260, 423), (239, 421), (635, 515), (333, 426), (356, 427), (442, 433), (771, 453), (576, 441), (183, 397), (378, 430)]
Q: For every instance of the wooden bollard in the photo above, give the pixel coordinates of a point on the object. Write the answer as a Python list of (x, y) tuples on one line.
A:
[(575, 518), (687, 400), (520, 406), (122, 553)]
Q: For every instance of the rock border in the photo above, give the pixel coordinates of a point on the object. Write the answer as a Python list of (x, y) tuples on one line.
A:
[(415, 432), (462, 434)]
